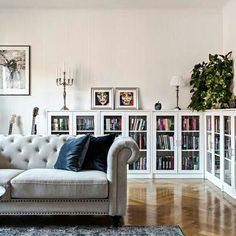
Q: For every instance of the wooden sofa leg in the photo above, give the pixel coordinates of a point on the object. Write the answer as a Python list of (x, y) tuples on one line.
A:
[(116, 220)]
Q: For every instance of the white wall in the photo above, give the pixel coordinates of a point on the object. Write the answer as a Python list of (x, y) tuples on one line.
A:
[(137, 48), (229, 30)]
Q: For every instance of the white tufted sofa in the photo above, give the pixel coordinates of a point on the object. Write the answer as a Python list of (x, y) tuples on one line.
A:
[(33, 186)]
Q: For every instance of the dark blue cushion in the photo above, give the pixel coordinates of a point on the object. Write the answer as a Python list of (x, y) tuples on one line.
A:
[(72, 153), (96, 157)]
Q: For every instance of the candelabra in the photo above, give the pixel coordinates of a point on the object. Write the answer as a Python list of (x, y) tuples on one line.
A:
[(65, 82)]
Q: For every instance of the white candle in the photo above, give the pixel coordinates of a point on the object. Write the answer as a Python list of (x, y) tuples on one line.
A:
[(64, 67), (57, 72)]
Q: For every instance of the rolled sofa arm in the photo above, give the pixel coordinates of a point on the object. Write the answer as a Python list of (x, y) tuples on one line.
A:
[(123, 151)]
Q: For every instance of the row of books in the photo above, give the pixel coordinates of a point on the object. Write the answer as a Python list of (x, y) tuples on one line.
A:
[(209, 143), (165, 124), (190, 141), (217, 124), (113, 123), (141, 164), (137, 124), (165, 163), (208, 123), (227, 125), (60, 123), (165, 142), (85, 124), (190, 123), (140, 139), (190, 162), (217, 144)]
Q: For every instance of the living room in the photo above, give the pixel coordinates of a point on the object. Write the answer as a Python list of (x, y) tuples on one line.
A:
[(138, 45)]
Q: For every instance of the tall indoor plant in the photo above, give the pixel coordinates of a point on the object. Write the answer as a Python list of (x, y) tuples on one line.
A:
[(211, 83)]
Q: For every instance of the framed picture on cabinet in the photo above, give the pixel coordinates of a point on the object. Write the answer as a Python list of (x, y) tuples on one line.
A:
[(126, 98), (102, 98), (14, 70)]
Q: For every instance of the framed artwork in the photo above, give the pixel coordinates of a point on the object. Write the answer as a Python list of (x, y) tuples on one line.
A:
[(126, 98), (14, 70), (102, 98)]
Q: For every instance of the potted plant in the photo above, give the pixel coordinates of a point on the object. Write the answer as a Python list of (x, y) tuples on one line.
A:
[(211, 83), (232, 102)]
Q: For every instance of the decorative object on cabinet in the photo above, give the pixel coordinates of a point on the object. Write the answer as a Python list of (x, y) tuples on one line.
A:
[(126, 98), (15, 70), (158, 106), (211, 83), (64, 82), (102, 98), (177, 81)]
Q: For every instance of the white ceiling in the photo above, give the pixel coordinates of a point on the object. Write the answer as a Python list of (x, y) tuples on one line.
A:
[(111, 3)]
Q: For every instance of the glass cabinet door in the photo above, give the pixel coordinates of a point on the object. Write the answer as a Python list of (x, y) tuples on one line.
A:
[(209, 144), (85, 124), (112, 124), (217, 146), (190, 148), (137, 127), (227, 150), (165, 138), (60, 124)]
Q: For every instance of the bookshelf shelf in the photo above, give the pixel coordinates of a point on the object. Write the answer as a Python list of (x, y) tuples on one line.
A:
[(60, 131), (165, 150), (190, 150)]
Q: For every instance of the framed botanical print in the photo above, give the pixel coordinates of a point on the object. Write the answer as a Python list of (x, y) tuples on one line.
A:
[(15, 70), (126, 98), (102, 98)]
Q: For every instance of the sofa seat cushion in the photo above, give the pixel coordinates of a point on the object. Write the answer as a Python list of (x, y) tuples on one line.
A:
[(59, 184), (6, 175)]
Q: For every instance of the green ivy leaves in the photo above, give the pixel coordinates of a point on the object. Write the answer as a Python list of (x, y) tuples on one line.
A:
[(211, 83)]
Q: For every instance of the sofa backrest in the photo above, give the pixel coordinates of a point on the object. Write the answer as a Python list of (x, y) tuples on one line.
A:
[(32, 151)]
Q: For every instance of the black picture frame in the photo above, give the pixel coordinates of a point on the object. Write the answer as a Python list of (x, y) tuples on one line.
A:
[(15, 71)]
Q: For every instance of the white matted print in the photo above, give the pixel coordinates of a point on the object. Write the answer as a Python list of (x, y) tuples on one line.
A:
[(126, 98), (15, 70), (102, 98)]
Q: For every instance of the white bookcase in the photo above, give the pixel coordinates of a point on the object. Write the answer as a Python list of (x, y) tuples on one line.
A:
[(137, 125), (177, 144), (220, 151), (73, 122)]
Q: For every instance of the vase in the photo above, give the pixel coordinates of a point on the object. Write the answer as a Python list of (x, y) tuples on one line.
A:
[(158, 106)]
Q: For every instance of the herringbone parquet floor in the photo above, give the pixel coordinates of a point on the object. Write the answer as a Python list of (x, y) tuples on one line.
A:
[(196, 205)]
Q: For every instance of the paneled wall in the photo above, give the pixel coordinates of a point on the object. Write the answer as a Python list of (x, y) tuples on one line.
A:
[(106, 47)]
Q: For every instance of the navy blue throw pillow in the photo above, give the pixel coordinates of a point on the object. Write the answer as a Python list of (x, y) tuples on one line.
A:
[(72, 153), (96, 157)]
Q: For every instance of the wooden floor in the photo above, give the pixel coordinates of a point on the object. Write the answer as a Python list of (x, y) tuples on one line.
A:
[(196, 205)]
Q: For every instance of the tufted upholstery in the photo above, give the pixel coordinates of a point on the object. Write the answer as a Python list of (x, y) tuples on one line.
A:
[(35, 187), (27, 152)]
